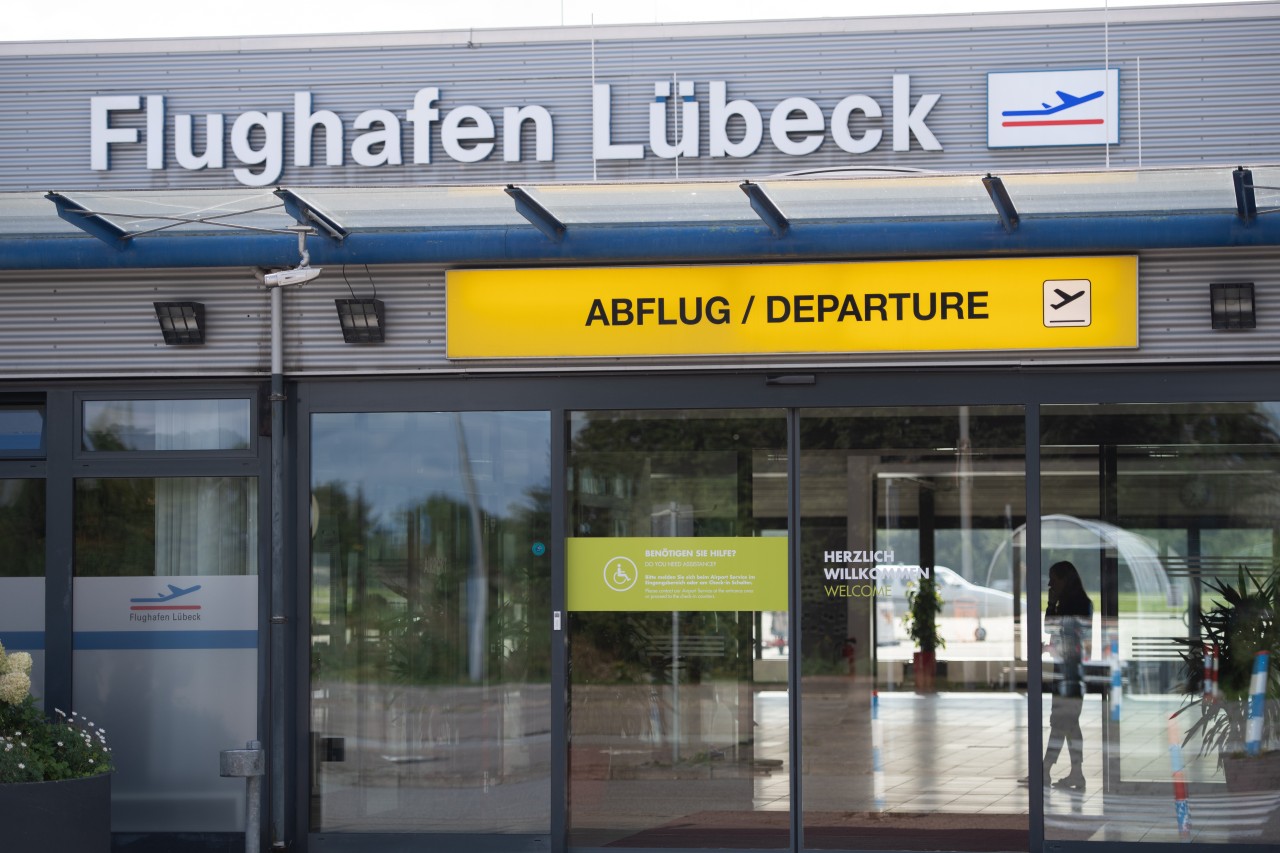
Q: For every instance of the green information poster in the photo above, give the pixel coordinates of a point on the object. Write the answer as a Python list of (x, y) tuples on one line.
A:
[(678, 573)]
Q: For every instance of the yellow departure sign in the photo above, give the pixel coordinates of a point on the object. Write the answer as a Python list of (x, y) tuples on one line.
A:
[(997, 304)]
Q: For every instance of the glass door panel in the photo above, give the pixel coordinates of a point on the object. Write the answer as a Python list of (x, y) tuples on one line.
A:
[(431, 622), (679, 728), (909, 745), (166, 641), (22, 513), (1159, 509)]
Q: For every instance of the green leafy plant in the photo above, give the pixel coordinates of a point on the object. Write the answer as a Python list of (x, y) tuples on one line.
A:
[(34, 748), (924, 605), (1241, 624)]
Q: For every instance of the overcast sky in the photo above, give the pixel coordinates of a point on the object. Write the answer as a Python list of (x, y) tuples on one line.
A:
[(94, 19)]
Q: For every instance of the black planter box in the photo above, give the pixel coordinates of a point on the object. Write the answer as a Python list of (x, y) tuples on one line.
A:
[(1252, 774), (71, 816)]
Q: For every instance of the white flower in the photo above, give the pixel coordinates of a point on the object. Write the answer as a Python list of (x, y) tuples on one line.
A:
[(60, 743)]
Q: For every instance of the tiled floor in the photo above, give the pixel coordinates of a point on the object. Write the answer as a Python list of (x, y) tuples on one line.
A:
[(924, 772), (963, 753)]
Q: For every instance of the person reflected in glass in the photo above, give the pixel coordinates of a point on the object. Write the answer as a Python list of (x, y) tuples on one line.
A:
[(1068, 620)]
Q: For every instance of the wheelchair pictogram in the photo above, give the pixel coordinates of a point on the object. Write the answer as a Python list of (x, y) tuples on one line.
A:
[(620, 574)]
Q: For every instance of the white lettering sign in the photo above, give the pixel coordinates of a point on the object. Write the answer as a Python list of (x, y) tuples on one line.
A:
[(470, 133)]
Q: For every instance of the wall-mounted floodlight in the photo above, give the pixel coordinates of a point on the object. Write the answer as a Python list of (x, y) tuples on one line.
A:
[(1004, 204), (1231, 305), (363, 320), (181, 323), (765, 208), (531, 209)]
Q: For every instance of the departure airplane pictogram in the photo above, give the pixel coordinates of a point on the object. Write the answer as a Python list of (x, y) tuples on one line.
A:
[(1067, 298), (1068, 101), (174, 592)]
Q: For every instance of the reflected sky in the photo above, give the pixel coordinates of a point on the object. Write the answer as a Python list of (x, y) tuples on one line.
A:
[(397, 459)]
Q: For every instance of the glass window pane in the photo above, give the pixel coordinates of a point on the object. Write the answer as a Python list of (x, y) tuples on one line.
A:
[(1167, 514), (677, 594), (911, 714), (21, 429), (431, 622), (166, 639), (22, 603), (186, 526), (167, 425)]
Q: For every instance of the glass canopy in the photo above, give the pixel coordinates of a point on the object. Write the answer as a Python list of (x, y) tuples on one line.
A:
[(824, 197)]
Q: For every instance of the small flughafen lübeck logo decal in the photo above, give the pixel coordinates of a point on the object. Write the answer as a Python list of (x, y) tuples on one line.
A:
[(160, 607)]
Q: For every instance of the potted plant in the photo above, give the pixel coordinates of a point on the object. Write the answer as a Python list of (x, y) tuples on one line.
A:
[(55, 774), (1238, 634), (924, 604)]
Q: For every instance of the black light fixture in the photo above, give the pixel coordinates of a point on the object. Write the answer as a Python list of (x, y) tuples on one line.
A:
[(363, 320), (1231, 305), (182, 323)]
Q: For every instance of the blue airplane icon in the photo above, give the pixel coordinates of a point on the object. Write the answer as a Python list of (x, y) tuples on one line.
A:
[(174, 592), (1068, 101)]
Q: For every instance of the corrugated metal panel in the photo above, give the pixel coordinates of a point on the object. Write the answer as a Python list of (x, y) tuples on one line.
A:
[(1199, 101), (103, 325), (1174, 305)]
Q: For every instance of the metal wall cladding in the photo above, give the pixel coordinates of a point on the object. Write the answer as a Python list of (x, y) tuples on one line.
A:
[(1196, 85), (101, 325)]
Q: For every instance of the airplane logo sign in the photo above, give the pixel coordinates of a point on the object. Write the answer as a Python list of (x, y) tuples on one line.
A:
[(161, 601), (1043, 108), (1067, 302)]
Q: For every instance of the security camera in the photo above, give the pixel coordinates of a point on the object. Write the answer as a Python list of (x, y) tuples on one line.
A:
[(283, 278)]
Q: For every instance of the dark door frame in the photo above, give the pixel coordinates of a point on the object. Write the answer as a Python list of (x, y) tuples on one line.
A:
[(559, 393)]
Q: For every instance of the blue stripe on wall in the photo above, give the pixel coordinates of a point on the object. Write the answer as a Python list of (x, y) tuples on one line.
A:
[(102, 640), (23, 641)]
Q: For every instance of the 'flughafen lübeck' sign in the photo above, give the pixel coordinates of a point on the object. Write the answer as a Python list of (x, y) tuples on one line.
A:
[(469, 133)]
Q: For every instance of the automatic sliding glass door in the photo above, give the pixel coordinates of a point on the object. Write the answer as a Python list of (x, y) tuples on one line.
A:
[(431, 623), (1167, 514), (677, 593), (679, 629), (912, 667)]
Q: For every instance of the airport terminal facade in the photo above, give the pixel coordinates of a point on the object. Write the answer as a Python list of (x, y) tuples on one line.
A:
[(537, 438)]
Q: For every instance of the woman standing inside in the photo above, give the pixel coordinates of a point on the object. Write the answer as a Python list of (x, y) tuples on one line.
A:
[(1068, 619)]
